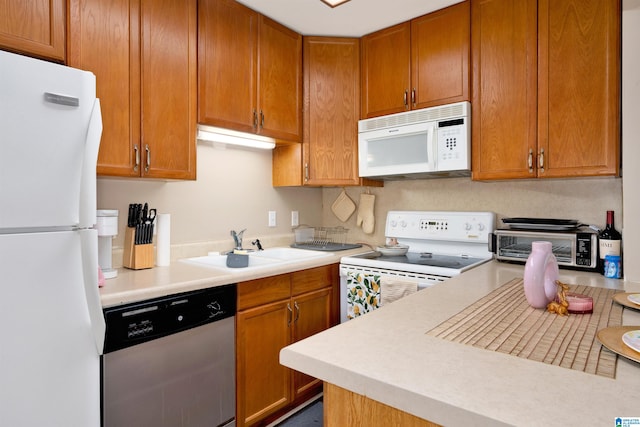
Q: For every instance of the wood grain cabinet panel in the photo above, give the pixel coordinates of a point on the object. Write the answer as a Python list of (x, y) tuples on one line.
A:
[(440, 57), (274, 312), (227, 56), (250, 72), (546, 97), (503, 108), (332, 88), (35, 28), (263, 384), (143, 54), (579, 93), (279, 81), (329, 152), (386, 71), (420, 63)]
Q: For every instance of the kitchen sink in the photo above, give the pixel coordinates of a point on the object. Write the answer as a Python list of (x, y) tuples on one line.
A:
[(220, 262), (257, 260), (288, 254)]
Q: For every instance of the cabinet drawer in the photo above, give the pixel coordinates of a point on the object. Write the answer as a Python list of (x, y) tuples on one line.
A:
[(312, 279), (262, 291)]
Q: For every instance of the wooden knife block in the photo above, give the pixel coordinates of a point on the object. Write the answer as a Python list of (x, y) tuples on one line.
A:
[(136, 257)]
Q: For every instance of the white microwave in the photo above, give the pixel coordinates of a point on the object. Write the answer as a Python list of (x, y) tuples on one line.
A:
[(427, 143)]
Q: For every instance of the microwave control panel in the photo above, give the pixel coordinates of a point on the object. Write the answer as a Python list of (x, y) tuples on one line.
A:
[(453, 141)]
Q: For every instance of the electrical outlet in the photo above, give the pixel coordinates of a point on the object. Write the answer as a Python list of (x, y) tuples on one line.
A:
[(294, 219), (272, 218)]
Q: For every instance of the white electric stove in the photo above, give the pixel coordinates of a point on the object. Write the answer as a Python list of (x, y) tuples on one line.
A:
[(441, 245)]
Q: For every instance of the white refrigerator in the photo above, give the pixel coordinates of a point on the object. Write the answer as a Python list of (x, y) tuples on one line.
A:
[(51, 321)]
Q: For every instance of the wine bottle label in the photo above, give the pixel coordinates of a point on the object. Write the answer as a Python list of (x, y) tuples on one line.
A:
[(609, 247)]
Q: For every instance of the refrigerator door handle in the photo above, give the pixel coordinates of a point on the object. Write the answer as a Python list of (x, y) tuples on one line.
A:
[(89, 243), (88, 192)]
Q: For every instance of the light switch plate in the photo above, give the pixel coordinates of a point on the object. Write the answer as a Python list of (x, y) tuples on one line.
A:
[(295, 221), (272, 218)]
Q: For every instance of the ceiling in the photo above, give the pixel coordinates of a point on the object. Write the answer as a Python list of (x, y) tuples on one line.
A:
[(352, 19)]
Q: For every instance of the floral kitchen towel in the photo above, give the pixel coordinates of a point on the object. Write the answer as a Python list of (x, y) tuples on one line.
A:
[(363, 293)]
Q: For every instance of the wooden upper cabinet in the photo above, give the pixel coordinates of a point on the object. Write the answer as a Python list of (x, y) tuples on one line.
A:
[(168, 75), (104, 39), (143, 54), (579, 92), (504, 97), (552, 115), (329, 153), (386, 71), (34, 27), (227, 64), (417, 64), (250, 72), (440, 56), (332, 88), (279, 81)]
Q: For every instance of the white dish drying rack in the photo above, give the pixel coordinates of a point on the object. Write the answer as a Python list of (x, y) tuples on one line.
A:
[(322, 238)]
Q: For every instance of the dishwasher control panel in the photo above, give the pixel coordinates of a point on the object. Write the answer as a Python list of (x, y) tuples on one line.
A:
[(135, 323)]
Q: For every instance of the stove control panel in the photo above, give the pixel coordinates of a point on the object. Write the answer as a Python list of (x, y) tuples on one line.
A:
[(436, 225)]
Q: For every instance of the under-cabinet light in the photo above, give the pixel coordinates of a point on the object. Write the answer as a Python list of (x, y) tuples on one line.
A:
[(226, 136), (334, 3)]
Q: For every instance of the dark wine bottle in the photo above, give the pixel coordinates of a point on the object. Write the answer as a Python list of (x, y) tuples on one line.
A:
[(609, 242)]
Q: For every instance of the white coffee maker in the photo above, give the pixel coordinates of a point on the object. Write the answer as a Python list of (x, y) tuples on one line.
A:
[(107, 226)]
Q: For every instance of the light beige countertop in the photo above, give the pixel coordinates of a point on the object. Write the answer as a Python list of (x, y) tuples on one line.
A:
[(387, 356), (137, 285)]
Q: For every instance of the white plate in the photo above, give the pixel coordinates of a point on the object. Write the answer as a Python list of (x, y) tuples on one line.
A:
[(634, 298), (395, 250), (632, 339)]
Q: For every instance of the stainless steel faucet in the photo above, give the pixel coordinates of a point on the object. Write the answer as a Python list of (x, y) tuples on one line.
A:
[(237, 237)]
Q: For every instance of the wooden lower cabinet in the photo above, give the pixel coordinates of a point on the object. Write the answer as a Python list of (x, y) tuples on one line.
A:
[(345, 408), (272, 313)]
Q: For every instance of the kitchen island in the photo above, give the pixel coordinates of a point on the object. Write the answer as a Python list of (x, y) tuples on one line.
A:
[(387, 357)]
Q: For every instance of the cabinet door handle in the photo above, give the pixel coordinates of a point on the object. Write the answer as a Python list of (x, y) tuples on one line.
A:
[(137, 157), (541, 160), (406, 98), (261, 119), (148, 165), (306, 172), (413, 96), (530, 160), (255, 119), (290, 315), (295, 304)]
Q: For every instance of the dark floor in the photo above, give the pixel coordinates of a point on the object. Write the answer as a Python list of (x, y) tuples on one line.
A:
[(311, 415)]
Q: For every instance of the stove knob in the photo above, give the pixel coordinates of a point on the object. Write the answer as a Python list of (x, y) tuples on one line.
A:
[(467, 226), (394, 223), (403, 223), (480, 226)]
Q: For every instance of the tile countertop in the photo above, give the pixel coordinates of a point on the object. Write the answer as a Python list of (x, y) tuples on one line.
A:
[(455, 384), (138, 285)]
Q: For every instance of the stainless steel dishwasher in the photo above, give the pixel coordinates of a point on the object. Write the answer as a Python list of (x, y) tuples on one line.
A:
[(171, 361)]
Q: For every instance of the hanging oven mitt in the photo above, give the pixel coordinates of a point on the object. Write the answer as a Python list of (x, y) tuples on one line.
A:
[(365, 213), (343, 207)]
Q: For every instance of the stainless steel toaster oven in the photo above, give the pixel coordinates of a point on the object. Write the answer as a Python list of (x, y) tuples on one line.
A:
[(573, 249)]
